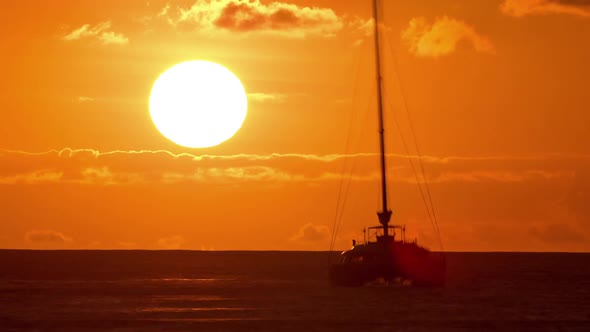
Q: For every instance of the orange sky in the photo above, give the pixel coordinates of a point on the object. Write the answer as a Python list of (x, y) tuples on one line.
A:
[(497, 93)]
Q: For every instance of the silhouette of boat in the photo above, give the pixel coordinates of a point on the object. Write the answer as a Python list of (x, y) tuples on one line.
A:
[(387, 258)]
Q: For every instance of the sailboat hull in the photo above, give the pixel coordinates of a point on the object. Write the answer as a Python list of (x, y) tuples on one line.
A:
[(399, 262)]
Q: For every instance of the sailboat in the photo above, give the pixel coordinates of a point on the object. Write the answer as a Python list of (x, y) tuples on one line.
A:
[(390, 258)]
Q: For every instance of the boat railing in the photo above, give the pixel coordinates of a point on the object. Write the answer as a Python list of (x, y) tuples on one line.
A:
[(376, 232)]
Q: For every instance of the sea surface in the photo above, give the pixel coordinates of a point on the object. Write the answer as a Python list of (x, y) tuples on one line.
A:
[(283, 291)]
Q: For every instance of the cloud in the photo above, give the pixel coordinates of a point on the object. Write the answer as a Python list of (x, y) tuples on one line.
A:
[(310, 233), (101, 31), (45, 237), (267, 97), (254, 16), (521, 196), (164, 11), (35, 177), (362, 29), (362, 26), (108, 38), (442, 37), (87, 31), (171, 242), (104, 176), (520, 8), (84, 99), (92, 167), (501, 176)]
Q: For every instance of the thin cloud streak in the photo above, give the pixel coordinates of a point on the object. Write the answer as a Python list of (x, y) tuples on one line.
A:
[(267, 97), (521, 8), (84, 99), (101, 32), (46, 237), (171, 242), (70, 152), (91, 167)]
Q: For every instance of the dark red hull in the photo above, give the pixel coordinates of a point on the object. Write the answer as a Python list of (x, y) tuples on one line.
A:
[(397, 261)]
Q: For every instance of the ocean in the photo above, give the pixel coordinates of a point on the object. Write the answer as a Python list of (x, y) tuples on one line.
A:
[(283, 291)]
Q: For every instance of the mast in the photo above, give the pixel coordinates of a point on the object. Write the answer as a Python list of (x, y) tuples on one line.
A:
[(385, 213)]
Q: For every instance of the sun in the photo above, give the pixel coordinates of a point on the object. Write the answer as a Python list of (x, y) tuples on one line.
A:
[(198, 104)]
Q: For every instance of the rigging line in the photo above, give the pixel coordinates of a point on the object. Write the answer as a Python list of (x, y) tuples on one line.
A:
[(340, 206), (366, 119), (340, 192), (347, 188), (431, 219), (338, 200), (421, 190), (349, 180), (405, 145), (339, 203), (354, 161), (413, 131), (343, 204)]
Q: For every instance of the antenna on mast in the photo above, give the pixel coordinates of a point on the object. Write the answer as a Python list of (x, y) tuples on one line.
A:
[(385, 214)]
